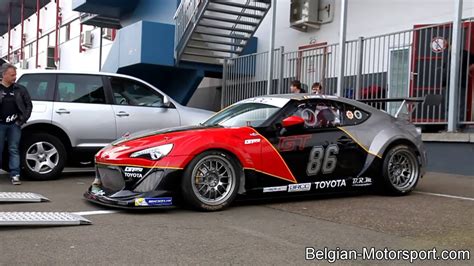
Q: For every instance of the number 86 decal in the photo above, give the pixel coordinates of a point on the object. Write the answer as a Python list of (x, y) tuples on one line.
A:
[(319, 159)]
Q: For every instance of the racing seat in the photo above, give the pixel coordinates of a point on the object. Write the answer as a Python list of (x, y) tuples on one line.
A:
[(325, 118)]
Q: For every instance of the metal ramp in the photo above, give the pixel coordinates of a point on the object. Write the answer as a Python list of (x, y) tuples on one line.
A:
[(41, 219), (21, 197), (208, 31)]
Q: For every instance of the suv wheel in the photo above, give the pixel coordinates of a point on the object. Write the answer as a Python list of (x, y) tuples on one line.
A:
[(43, 156)]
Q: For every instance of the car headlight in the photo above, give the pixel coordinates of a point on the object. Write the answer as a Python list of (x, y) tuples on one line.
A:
[(154, 153)]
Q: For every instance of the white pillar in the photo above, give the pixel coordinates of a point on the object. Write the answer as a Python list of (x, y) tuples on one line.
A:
[(271, 48), (454, 70), (342, 50)]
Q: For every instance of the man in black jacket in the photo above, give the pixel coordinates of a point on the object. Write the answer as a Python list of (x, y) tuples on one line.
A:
[(15, 110)]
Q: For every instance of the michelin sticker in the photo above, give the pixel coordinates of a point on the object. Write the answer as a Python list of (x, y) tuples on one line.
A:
[(167, 201), (299, 187), (274, 189)]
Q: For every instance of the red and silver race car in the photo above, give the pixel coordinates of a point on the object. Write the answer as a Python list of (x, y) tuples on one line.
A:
[(273, 145)]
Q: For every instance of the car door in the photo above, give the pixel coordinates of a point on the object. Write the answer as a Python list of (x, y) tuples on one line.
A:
[(81, 109), (41, 89), (139, 107), (319, 150)]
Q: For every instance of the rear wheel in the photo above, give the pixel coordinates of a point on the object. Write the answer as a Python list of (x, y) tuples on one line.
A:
[(401, 170), (43, 156), (211, 181)]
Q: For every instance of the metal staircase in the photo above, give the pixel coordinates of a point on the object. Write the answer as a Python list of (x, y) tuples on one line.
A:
[(208, 31)]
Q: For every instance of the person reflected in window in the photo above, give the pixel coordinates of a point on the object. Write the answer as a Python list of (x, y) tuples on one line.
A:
[(296, 87)]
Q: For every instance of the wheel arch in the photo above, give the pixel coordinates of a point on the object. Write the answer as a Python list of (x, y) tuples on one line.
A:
[(49, 129), (236, 159), (400, 141)]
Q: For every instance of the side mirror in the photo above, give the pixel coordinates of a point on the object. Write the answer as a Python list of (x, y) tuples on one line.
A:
[(166, 101), (292, 121)]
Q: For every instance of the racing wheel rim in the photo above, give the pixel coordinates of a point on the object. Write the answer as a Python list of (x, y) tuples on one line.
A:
[(42, 157), (403, 170), (213, 179)]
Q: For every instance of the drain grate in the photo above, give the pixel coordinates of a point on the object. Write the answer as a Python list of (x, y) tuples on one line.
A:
[(41, 218), (21, 197)]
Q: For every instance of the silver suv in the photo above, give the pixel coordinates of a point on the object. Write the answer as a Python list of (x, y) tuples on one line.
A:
[(76, 114)]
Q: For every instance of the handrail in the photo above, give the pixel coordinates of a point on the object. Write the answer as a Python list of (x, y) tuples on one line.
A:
[(186, 14), (239, 18)]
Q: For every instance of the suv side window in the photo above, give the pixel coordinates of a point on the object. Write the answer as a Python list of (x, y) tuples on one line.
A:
[(80, 89), (39, 86), (130, 92)]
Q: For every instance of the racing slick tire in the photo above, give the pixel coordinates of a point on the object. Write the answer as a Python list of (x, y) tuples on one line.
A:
[(43, 156), (210, 181), (401, 170)]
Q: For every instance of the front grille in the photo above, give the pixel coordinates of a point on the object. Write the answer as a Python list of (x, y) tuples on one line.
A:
[(150, 182), (111, 178)]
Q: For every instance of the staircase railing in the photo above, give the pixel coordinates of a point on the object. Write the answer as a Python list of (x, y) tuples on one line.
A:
[(242, 18), (186, 18)]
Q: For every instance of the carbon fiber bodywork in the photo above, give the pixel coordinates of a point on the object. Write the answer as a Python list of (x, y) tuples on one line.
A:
[(129, 187)]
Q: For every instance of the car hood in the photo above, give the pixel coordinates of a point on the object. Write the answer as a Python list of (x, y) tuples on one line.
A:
[(193, 116), (150, 133), (180, 136)]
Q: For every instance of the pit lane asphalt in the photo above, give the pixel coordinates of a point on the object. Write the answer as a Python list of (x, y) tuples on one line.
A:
[(255, 232)]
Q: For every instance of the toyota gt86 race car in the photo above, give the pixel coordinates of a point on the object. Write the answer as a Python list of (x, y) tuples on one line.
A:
[(272, 145)]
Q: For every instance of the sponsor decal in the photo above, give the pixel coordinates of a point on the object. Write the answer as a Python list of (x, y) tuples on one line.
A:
[(166, 201), (349, 115), (133, 172), (330, 184), (274, 189), (133, 169), (293, 143), (358, 114), (251, 141), (361, 181), (299, 187)]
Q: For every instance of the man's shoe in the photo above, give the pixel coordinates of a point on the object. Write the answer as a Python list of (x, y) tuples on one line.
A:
[(16, 180)]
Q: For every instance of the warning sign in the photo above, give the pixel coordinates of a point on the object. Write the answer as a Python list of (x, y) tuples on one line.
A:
[(438, 44)]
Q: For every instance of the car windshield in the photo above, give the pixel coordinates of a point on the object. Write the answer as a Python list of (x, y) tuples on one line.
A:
[(243, 114)]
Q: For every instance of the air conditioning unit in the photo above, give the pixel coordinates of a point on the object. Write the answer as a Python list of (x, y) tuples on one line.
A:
[(86, 39), (107, 34), (304, 14), (24, 64), (50, 64)]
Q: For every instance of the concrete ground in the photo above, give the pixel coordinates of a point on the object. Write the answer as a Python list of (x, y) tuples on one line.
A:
[(439, 214)]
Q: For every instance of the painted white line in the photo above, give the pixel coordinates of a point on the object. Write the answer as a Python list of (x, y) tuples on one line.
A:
[(444, 195), (94, 212)]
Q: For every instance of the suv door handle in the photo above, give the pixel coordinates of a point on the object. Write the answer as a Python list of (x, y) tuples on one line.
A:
[(122, 113), (62, 111)]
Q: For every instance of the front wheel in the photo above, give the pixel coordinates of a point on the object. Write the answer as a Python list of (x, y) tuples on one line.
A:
[(401, 170), (211, 180), (43, 156)]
